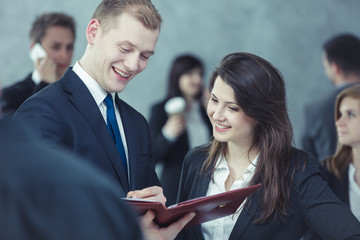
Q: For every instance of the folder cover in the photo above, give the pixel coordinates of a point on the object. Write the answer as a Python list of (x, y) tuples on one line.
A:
[(206, 208)]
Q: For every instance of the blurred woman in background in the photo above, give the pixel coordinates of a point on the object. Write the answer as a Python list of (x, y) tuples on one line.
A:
[(175, 132), (342, 170)]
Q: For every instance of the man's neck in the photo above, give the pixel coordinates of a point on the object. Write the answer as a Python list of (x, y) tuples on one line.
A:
[(345, 80)]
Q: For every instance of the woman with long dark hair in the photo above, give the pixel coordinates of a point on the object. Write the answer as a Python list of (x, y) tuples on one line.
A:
[(253, 144), (173, 134)]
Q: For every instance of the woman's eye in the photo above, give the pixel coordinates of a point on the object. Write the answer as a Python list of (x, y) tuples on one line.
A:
[(234, 108), (350, 114)]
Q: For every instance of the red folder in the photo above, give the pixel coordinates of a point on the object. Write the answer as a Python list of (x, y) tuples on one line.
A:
[(206, 208)]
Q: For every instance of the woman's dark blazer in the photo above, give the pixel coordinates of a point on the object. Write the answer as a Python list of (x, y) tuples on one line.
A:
[(339, 187), (312, 205), (170, 153)]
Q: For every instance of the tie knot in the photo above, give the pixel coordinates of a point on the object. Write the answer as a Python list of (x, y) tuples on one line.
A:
[(109, 102)]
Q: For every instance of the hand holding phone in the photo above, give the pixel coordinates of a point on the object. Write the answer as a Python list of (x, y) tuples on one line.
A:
[(36, 52), (45, 69)]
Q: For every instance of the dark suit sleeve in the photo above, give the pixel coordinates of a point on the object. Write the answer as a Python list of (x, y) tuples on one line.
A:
[(50, 194), (161, 145), (39, 114), (13, 96), (322, 211)]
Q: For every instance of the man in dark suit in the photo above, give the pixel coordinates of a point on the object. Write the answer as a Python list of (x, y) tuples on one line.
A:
[(72, 112), (55, 32), (341, 59), (47, 193)]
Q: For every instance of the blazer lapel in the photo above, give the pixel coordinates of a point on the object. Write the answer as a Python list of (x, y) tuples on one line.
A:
[(200, 191), (341, 188), (84, 102), (244, 219)]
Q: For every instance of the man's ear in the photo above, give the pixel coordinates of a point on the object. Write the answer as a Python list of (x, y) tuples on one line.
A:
[(91, 31), (335, 68)]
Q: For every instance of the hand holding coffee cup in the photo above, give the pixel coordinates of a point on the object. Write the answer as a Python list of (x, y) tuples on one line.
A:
[(175, 106), (175, 125)]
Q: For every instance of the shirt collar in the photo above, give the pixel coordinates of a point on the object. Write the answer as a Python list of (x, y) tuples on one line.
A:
[(222, 164), (94, 87)]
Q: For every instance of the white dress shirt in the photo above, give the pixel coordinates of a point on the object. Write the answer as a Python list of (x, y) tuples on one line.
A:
[(221, 228), (197, 129), (354, 192), (99, 95)]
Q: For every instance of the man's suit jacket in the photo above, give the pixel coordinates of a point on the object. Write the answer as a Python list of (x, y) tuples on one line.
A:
[(66, 114), (319, 135), (13, 96), (47, 193), (312, 205), (171, 154)]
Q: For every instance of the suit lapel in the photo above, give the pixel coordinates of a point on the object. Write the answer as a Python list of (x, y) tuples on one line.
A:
[(244, 218), (341, 188), (84, 102), (128, 124), (200, 191)]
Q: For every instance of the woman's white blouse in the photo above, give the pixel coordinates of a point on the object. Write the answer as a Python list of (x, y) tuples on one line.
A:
[(221, 228), (354, 192)]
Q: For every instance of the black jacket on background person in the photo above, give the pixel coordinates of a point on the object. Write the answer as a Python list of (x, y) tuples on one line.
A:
[(171, 154), (47, 193), (14, 95)]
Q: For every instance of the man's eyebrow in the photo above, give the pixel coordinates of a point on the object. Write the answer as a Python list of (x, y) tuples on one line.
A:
[(132, 45)]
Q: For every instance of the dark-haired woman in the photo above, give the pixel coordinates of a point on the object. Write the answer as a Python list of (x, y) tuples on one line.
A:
[(251, 145), (174, 134)]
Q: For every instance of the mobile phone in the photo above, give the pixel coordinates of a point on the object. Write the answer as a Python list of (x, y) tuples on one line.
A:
[(36, 52)]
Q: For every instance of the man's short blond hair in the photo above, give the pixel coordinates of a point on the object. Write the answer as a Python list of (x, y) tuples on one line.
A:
[(143, 10)]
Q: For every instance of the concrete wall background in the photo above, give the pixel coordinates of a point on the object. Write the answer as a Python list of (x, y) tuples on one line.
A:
[(289, 34)]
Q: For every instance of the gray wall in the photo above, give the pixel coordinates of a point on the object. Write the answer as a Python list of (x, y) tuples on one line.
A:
[(288, 33)]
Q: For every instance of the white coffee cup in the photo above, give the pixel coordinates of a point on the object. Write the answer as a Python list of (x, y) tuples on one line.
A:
[(175, 106)]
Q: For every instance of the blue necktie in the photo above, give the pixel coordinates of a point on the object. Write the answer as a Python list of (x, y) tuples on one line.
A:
[(114, 129)]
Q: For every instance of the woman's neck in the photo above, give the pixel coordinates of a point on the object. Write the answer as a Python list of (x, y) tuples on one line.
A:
[(238, 158), (356, 163), (189, 102), (356, 157)]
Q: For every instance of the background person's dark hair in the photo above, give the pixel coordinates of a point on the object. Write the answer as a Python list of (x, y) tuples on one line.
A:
[(44, 21), (344, 50), (181, 65)]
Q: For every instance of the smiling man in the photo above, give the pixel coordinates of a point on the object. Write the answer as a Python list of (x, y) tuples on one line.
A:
[(55, 34), (84, 114), (73, 112)]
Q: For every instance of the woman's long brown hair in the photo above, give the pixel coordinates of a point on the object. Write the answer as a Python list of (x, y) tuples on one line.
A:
[(259, 90), (339, 162)]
